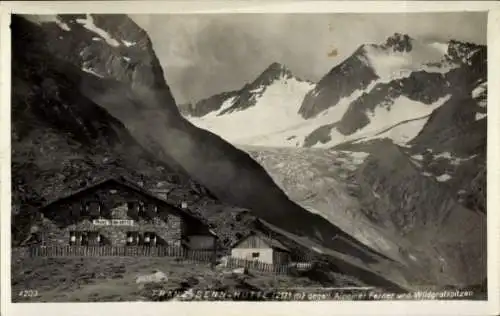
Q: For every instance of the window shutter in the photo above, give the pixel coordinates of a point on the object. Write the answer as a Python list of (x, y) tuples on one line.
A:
[(72, 238), (130, 238), (132, 209), (85, 238), (79, 238), (84, 208)]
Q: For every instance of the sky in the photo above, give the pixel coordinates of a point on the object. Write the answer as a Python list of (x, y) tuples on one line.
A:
[(205, 54)]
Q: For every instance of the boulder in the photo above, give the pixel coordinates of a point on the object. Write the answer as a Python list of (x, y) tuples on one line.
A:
[(152, 278)]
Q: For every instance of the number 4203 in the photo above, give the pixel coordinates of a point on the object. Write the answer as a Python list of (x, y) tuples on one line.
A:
[(28, 293)]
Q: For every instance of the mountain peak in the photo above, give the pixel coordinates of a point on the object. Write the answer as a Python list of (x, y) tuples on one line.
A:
[(273, 72), (277, 69), (276, 65), (399, 42)]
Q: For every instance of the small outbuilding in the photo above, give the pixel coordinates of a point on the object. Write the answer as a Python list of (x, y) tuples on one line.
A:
[(257, 246)]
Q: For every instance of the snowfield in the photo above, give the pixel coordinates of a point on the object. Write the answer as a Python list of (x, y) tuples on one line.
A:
[(284, 126), (480, 95), (274, 120), (88, 23), (276, 109), (398, 122), (391, 65)]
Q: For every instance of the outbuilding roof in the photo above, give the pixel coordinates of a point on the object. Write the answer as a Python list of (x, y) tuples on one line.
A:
[(271, 242)]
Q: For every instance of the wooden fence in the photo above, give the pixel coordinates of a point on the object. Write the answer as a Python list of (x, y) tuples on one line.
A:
[(233, 262), (116, 251), (208, 256)]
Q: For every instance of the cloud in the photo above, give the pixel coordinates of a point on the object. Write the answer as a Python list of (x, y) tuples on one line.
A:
[(206, 54)]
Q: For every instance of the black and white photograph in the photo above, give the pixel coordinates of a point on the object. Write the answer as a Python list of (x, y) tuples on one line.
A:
[(248, 157)]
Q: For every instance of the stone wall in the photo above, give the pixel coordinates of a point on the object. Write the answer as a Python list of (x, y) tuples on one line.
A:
[(169, 232), (61, 218)]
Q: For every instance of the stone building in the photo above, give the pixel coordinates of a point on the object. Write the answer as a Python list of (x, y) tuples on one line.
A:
[(259, 247), (118, 212)]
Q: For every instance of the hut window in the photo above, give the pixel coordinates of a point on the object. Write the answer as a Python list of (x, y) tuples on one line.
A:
[(184, 204), (85, 208), (95, 208), (132, 238), (149, 238), (92, 208), (93, 238), (136, 208), (255, 254), (77, 238), (153, 208)]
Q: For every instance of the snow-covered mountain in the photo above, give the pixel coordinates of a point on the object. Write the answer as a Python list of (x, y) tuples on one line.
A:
[(267, 104), (381, 90)]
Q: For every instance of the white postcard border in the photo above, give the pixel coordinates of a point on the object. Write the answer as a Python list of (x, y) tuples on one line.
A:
[(490, 307)]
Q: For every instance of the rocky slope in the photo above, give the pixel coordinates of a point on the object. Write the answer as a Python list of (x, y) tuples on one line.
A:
[(397, 210), (90, 93), (63, 141)]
